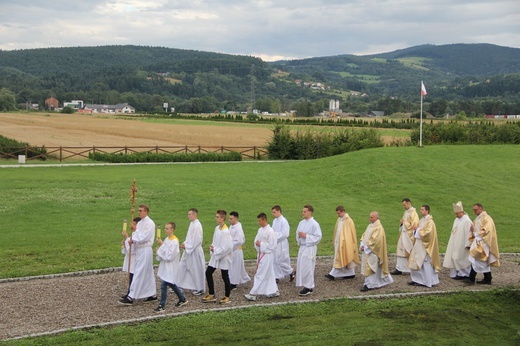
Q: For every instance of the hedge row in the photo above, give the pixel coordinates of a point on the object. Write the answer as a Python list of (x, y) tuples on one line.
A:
[(304, 145), (10, 147), (253, 118), (469, 133), (164, 157)]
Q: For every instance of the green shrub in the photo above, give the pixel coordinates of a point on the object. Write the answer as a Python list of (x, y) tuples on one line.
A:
[(164, 157), (305, 145), (480, 132), (10, 148)]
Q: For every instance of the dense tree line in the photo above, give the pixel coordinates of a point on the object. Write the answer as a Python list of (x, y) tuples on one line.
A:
[(194, 81)]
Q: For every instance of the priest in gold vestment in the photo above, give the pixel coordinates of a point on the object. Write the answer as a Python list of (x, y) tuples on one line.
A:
[(374, 264), (424, 260)]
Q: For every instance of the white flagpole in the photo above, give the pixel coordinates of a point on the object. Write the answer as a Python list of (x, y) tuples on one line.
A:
[(420, 130)]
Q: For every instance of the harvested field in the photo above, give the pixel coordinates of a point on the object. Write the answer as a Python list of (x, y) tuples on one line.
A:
[(69, 130)]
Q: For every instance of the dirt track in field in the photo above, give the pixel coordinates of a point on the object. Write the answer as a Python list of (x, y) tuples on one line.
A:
[(70, 130)]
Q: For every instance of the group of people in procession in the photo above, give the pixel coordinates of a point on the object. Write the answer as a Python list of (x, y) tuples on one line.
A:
[(472, 249)]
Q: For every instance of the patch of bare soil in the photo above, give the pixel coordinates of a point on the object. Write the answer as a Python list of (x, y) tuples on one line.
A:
[(57, 303)]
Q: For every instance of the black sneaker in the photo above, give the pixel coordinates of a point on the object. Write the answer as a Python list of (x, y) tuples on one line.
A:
[(306, 291), (160, 308), (126, 301), (397, 272), (233, 287), (150, 299), (484, 282), (181, 303), (365, 288), (330, 277)]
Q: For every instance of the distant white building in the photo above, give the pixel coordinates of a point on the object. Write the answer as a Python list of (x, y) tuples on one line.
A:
[(119, 108), (76, 104)]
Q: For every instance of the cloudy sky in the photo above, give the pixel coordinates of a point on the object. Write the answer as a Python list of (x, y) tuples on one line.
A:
[(272, 30)]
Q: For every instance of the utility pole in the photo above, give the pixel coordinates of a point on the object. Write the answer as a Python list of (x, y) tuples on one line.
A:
[(252, 97)]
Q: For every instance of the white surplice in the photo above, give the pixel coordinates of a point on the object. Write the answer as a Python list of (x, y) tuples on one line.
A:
[(306, 262), (237, 273), (265, 281), (168, 255), (222, 253), (193, 264), (282, 260), (143, 283)]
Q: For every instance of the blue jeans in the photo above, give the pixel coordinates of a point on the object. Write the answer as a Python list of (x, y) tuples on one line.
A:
[(164, 292)]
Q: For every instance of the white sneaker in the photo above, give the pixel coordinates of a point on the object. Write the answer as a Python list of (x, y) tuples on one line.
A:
[(250, 297), (275, 294)]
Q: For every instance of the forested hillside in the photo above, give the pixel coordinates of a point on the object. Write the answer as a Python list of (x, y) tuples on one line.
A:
[(477, 79)]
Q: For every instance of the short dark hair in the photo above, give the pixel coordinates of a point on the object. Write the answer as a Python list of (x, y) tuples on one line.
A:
[(309, 208), (171, 223), (478, 205), (145, 207), (136, 219), (406, 200), (427, 207), (234, 213), (277, 207), (262, 216), (340, 208), (222, 213), (194, 210)]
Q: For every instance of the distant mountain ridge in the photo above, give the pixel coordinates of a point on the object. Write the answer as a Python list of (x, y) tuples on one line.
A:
[(197, 81)]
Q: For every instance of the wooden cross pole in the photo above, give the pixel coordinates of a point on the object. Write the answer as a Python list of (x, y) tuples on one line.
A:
[(133, 191)]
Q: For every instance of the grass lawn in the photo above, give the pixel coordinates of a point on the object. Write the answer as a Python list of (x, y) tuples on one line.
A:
[(468, 318), (62, 219)]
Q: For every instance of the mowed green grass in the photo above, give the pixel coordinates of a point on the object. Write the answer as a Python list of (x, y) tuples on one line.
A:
[(467, 318), (62, 219)]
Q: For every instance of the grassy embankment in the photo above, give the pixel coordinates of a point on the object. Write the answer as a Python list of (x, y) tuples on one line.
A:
[(61, 219), (490, 318)]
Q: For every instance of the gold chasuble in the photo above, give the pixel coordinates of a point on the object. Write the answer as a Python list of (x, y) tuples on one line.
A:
[(411, 219), (485, 228), (347, 249), (428, 234), (377, 243)]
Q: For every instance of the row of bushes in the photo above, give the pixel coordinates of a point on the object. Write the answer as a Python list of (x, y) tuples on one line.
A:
[(250, 118), (164, 157), (10, 148), (305, 145), (468, 133)]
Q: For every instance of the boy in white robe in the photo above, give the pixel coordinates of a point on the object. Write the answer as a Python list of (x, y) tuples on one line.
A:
[(308, 236), (129, 252), (282, 259), (237, 273), (221, 250), (265, 245), (193, 263), (457, 252), (168, 255), (143, 283)]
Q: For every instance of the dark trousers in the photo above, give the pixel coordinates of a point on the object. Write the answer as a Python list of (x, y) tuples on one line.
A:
[(225, 277), (131, 276), (473, 275)]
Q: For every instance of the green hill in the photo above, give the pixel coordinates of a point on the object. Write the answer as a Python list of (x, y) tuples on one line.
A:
[(79, 210), (195, 81)]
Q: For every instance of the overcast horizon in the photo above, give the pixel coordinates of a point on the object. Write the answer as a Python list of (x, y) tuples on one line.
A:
[(261, 28)]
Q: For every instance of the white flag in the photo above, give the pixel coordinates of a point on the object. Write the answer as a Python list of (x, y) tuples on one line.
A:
[(423, 89)]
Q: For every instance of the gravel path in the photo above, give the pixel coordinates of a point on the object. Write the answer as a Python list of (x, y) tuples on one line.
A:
[(50, 304)]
